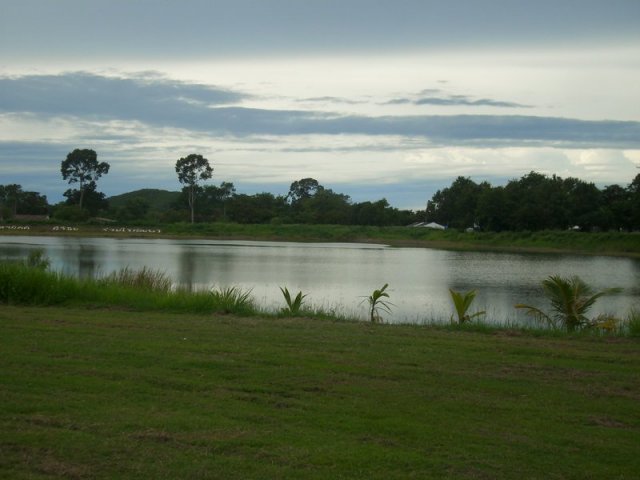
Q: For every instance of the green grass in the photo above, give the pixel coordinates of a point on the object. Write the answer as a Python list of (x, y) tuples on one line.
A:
[(142, 290), (118, 394)]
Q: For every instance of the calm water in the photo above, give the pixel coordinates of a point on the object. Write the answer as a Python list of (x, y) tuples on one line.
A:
[(340, 275)]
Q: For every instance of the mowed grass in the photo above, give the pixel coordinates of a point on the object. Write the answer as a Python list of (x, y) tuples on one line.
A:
[(116, 394)]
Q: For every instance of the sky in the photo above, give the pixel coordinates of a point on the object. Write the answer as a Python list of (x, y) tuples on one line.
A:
[(375, 99)]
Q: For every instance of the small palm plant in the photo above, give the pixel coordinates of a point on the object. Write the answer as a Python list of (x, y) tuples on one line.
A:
[(377, 303), (232, 300), (293, 305), (571, 299), (462, 302)]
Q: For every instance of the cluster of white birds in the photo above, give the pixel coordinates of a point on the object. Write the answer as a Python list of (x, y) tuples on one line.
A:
[(64, 229), (14, 227), (131, 230)]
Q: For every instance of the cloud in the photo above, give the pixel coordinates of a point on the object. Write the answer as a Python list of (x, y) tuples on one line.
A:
[(85, 94), (435, 98), (141, 124), (225, 28), (461, 100), (163, 103), (328, 99), (398, 101)]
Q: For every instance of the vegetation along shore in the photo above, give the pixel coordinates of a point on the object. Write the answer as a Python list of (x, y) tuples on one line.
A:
[(592, 243)]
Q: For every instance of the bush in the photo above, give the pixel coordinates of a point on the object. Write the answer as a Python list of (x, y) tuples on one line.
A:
[(70, 213), (633, 323)]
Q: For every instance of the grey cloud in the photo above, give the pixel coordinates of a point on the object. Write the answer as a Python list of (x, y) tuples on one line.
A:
[(85, 94), (431, 91), (462, 100), (199, 108), (453, 100), (332, 100), (398, 101), (494, 130), (235, 27)]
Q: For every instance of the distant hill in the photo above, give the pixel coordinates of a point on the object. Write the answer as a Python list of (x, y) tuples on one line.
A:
[(157, 199)]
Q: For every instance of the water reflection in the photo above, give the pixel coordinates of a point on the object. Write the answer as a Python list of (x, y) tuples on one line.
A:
[(340, 275)]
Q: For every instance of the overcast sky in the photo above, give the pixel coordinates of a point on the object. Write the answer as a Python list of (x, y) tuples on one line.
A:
[(372, 98)]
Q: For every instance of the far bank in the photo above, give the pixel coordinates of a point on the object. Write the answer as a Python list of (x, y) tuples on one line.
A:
[(593, 243)]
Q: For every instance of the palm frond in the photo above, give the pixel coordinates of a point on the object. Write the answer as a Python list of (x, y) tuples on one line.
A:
[(462, 302), (571, 299), (293, 306)]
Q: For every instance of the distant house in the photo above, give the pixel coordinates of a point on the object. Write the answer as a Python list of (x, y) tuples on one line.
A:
[(431, 225)]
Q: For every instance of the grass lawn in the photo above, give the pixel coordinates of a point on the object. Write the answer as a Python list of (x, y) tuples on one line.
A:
[(115, 394)]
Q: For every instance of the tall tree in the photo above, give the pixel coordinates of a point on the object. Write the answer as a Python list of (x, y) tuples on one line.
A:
[(32, 203), (93, 201), (191, 170), (455, 206), (227, 191), (81, 166), (302, 189), (634, 202), (10, 197)]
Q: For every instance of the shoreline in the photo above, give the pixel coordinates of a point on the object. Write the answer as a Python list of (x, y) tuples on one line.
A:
[(389, 237)]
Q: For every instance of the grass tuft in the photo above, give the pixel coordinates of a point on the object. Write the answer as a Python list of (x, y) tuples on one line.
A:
[(145, 278), (233, 300)]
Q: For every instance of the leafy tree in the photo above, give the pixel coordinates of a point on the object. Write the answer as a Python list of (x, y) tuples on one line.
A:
[(615, 212), (32, 203), (9, 198), (14, 201), (373, 213), (259, 208), (324, 207), (227, 191), (215, 199), (134, 209), (493, 210), (93, 202), (634, 202), (583, 203), (455, 206), (304, 188), (70, 213), (537, 203), (191, 170), (82, 167)]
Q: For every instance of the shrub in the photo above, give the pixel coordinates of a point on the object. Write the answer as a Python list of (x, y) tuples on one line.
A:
[(293, 305), (232, 300), (462, 303), (377, 303), (570, 299), (633, 323)]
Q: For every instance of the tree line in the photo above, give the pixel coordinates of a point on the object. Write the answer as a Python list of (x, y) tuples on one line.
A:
[(533, 202), (306, 202), (536, 202)]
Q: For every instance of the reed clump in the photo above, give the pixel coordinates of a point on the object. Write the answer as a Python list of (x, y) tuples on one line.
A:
[(145, 278), (21, 284)]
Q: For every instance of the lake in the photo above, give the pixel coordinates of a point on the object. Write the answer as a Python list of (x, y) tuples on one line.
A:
[(338, 275)]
